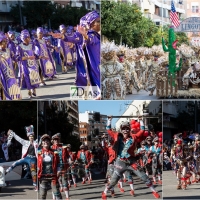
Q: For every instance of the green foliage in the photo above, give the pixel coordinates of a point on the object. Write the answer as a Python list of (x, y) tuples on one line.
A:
[(119, 20), (180, 36), (15, 14), (126, 21), (68, 16), (39, 13), (15, 115)]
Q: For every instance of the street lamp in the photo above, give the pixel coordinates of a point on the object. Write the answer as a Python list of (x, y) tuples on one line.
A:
[(20, 12), (134, 106)]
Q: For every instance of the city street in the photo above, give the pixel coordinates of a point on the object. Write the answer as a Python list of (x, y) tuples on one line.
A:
[(19, 189), (141, 95), (94, 190), (170, 191), (58, 88)]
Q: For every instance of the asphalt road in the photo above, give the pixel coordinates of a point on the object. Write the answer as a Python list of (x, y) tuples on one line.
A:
[(23, 189), (141, 95), (94, 190), (19, 189)]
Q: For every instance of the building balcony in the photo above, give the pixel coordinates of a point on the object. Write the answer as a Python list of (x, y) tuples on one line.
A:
[(76, 125), (157, 18), (167, 4), (76, 4), (148, 15), (97, 2), (93, 5), (74, 108), (75, 102), (73, 115)]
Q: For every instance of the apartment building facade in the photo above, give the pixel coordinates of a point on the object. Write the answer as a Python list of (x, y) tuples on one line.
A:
[(95, 129)]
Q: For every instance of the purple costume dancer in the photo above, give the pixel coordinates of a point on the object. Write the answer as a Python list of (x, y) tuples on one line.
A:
[(12, 44), (70, 31), (9, 86), (65, 51), (55, 53), (50, 51), (33, 34), (47, 68), (81, 75), (92, 42), (29, 75), (87, 64)]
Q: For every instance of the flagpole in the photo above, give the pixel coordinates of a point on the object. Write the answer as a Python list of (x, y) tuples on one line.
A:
[(162, 18)]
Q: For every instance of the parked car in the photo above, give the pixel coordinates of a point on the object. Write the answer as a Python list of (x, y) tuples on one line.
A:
[(2, 177), (15, 174)]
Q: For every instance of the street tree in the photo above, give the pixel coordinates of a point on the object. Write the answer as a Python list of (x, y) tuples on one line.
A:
[(124, 22), (39, 13), (67, 15)]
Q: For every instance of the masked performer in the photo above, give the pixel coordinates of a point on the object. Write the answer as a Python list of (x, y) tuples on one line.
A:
[(48, 168), (156, 167), (86, 157), (29, 152), (63, 155), (197, 155), (71, 169), (125, 146)]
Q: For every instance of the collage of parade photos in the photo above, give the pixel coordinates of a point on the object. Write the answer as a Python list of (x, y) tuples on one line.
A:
[(99, 99)]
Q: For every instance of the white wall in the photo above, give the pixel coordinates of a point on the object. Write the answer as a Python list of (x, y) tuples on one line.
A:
[(132, 110), (83, 117)]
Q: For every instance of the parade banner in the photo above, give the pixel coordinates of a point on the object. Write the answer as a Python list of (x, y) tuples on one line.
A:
[(191, 24)]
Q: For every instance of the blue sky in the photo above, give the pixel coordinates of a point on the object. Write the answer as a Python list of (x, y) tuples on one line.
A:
[(104, 107)]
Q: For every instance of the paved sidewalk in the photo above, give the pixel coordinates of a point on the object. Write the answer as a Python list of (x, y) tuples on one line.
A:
[(58, 88)]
